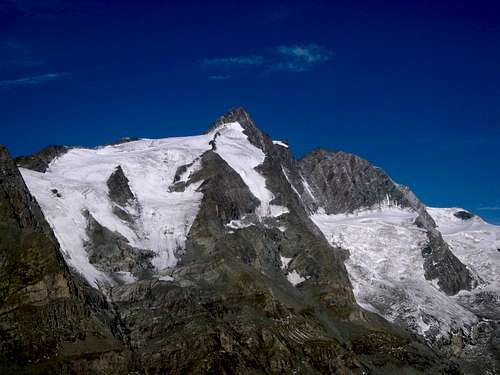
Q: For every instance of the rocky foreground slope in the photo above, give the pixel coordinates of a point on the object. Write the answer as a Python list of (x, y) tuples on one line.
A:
[(221, 253)]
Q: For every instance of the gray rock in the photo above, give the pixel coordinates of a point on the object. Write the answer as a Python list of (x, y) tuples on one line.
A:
[(255, 136), (119, 189), (343, 182), (110, 251), (440, 263), (40, 160), (122, 140), (464, 215)]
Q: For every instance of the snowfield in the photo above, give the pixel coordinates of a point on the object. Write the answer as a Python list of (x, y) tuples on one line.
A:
[(386, 269), (162, 218), (475, 242)]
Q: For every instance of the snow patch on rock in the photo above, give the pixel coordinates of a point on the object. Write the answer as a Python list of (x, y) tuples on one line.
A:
[(284, 262), (295, 278), (280, 143), (239, 224), (166, 278)]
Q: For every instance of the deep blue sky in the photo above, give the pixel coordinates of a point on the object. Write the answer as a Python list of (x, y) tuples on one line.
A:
[(414, 87)]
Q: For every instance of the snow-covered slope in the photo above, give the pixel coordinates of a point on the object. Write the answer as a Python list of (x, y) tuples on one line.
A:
[(386, 269), (77, 182), (80, 177), (475, 242)]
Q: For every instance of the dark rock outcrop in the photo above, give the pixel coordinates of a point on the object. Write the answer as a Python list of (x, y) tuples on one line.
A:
[(39, 161), (440, 264), (255, 136), (344, 182), (111, 252), (464, 215), (122, 140), (119, 189)]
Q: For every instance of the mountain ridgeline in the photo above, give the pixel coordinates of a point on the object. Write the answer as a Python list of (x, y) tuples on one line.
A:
[(221, 253)]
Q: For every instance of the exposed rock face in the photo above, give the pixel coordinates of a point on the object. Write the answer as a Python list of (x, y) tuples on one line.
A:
[(441, 264), (239, 115), (119, 189), (40, 160), (50, 322), (423, 220), (344, 182), (464, 215), (111, 252), (123, 140)]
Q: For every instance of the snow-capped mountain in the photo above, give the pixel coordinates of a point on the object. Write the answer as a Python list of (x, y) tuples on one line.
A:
[(156, 216), (317, 265)]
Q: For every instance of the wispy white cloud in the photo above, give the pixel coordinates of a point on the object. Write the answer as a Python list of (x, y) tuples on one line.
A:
[(220, 77), (300, 58), (291, 58), (32, 80), (489, 208), (235, 61)]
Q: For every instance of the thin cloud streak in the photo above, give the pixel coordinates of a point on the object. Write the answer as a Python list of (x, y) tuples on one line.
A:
[(489, 208), (291, 58), (31, 81), (299, 58), (220, 77), (235, 61)]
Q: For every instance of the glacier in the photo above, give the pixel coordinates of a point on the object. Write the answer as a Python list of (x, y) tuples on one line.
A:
[(163, 217)]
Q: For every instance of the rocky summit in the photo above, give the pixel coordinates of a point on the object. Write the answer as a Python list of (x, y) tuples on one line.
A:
[(223, 254)]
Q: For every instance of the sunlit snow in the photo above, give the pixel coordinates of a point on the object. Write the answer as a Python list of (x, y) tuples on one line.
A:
[(80, 176), (284, 262), (474, 241), (234, 147), (294, 278), (386, 269), (280, 143), (162, 218)]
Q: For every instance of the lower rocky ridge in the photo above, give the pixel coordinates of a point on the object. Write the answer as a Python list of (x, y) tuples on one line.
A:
[(227, 308)]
